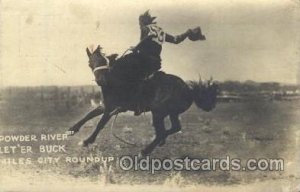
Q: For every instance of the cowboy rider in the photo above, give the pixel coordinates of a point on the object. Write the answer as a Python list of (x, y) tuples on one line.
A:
[(152, 38), (149, 48)]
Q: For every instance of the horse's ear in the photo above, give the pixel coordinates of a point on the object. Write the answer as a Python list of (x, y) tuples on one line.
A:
[(98, 49), (88, 52)]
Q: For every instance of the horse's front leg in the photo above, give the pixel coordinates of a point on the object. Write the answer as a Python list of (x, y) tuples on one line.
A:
[(105, 118), (95, 112)]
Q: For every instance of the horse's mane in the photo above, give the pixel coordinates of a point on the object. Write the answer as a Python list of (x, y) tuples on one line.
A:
[(112, 58), (126, 67), (114, 61)]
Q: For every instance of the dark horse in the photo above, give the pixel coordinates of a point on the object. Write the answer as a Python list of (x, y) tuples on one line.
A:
[(163, 94)]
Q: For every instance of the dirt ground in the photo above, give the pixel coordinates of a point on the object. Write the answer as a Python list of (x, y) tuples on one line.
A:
[(261, 129)]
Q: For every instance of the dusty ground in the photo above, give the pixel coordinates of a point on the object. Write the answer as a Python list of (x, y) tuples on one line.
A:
[(240, 130)]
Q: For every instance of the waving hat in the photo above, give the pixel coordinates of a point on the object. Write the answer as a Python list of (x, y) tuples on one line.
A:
[(196, 34)]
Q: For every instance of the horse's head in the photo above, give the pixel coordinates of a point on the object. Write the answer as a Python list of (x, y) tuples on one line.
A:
[(205, 94), (99, 64)]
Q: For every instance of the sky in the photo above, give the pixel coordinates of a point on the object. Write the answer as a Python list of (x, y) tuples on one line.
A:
[(43, 42)]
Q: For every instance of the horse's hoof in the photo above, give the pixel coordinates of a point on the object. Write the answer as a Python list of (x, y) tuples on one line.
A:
[(83, 144), (140, 155), (70, 133), (162, 143), (80, 143), (73, 130)]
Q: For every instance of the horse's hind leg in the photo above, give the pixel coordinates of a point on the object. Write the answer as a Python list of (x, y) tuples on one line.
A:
[(95, 112), (175, 127), (175, 124), (160, 133)]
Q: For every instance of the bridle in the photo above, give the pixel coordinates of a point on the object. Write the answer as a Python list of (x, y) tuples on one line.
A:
[(102, 67)]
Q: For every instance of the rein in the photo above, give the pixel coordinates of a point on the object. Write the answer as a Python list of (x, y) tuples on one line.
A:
[(125, 52), (116, 136)]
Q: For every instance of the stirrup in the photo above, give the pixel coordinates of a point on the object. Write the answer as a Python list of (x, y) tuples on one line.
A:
[(116, 111), (138, 111)]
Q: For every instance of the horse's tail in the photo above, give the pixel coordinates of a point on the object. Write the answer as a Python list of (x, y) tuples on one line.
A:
[(204, 94)]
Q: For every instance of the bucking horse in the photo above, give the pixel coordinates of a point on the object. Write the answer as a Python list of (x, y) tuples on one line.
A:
[(164, 95)]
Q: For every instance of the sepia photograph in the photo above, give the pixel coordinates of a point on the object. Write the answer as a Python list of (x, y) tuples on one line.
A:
[(169, 95)]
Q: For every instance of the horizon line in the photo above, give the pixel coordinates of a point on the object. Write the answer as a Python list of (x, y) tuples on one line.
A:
[(82, 85)]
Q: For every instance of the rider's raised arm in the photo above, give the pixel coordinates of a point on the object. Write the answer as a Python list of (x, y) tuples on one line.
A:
[(176, 39), (193, 34)]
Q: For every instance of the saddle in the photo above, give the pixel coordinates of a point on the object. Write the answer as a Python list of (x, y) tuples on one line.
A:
[(137, 77)]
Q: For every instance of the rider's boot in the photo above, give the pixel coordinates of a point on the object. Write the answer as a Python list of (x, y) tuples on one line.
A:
[(138, 96), (138, 111)]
